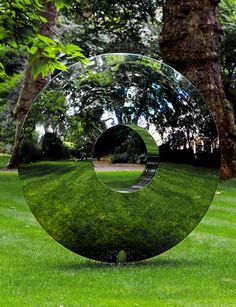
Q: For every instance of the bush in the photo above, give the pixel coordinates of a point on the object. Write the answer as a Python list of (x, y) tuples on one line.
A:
[(29, 150), (52, 147)]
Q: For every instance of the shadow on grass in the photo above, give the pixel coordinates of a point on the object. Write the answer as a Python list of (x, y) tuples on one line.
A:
[(155, 262)]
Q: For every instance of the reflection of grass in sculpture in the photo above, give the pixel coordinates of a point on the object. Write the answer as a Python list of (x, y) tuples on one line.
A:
[(110, 221), (120, 180), (35, 271)]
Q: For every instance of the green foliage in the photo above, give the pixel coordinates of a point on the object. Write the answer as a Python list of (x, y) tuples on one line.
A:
[(44, 55), (52, 147), (113, 26), (121, 257), (2, 71), (123, 144), (19, 21), (8, 86), (9, 90), (20, 26), (30, 150), (60, 4), (228, 13), (12, 60), (4, 158)]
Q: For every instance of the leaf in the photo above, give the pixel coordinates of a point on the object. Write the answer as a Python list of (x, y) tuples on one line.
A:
[(33, 50), (84, 60), (49, 55), (47, 40), (3, 33), (50, 52), (71, 48), (40, 66), (37, 68), (75, 52), (78, 55), (37, 3), (13, 44), (37, 17), (2, 71), (33, 57), (61, 4), (51, 67), (45, 69), (58, 65), (43, 19)]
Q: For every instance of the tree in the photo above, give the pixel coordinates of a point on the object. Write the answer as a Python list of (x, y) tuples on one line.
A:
[(31, 86), (190, 42), (30, 25), (113, 26)]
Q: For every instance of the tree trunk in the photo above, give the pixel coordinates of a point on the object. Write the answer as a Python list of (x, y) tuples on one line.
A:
[(189, 42), (31, 87)]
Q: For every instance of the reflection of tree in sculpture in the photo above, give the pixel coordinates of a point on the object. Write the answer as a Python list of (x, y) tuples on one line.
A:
[(150, 93), (134, 91), (112, 224), (131, 92)]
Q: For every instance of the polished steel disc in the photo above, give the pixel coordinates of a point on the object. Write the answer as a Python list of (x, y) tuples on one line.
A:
[(119, 158)]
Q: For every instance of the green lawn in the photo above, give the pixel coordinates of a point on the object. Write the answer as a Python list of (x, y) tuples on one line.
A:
[(120, 180), (3, 160), (37, 271), (87, 217)]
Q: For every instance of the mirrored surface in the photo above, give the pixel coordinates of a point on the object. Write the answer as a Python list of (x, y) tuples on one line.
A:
[(175, 141)]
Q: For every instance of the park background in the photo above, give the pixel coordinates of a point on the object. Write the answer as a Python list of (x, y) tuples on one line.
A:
[(38, 39)]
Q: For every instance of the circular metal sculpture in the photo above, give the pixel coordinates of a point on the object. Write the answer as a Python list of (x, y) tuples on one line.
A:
[(119, 158)]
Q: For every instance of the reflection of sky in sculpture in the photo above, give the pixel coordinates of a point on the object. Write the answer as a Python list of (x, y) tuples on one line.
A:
[(123, 89)]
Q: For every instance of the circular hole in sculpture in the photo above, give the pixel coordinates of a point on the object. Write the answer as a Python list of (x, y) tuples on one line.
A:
[(125, 158)]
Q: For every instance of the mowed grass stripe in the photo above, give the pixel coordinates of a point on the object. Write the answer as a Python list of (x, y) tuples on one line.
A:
[(17, 216), (223, 208), (222, 231), (36, 271), (217, 222), (218, 226), (222, 214), (214, 240)]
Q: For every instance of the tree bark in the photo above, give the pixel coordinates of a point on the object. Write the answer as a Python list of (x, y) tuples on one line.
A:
[(31, 87), (190, 42)]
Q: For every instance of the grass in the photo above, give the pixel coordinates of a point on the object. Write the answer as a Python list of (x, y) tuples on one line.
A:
[(37, 271), (87, 217), (120, 180), (143, 223), (4, 158)]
